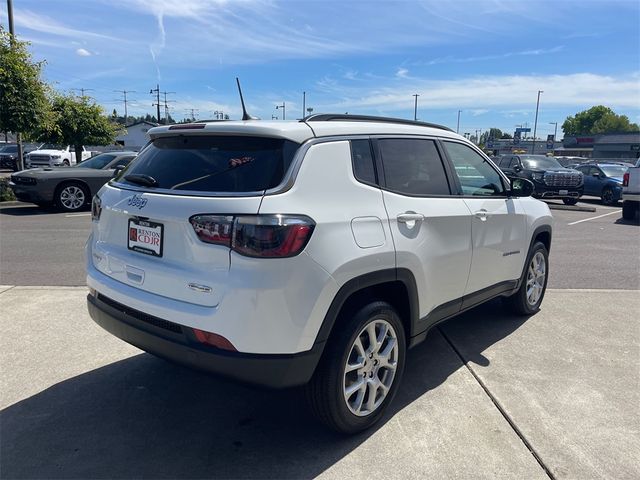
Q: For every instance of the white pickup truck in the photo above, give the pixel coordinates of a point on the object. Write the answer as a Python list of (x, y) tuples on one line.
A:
[(51, 155), (631, 192)]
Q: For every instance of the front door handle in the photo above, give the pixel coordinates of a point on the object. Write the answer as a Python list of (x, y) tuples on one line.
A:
[(410, 217), (482, 215)]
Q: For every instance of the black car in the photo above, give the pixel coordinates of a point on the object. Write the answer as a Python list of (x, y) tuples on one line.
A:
[(550, 179), (9, 156), (69, 188)]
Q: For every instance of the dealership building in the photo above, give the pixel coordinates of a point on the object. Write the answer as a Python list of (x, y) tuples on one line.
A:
[(605, 145)]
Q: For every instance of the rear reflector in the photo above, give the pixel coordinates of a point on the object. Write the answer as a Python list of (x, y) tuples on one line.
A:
[(262, 236), (214, 340), (625, 179)]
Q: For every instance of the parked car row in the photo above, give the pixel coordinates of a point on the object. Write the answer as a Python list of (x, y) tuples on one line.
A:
[(69, 189)]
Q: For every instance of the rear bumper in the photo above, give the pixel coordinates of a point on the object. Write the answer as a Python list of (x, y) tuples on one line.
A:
[(630, 197), (30, 193), (178, 343)]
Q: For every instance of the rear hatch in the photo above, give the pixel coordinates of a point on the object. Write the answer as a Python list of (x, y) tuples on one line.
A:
[(150, 230)]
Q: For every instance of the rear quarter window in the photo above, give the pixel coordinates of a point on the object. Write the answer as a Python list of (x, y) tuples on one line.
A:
[(227, 164)]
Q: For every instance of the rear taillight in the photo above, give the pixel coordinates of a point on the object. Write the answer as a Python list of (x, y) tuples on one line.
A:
[(625, 179), (96, 208), (216, 229), (264, 236)]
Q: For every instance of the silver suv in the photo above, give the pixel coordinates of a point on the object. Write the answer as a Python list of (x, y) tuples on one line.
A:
[(309, 253)]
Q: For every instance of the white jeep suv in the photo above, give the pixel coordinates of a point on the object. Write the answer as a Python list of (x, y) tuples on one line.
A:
[(309, 253)]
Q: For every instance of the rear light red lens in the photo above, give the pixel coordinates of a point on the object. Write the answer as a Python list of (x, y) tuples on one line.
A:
[(625, 179), (214, 340), (216, 229), (265, 236), (273, 236)]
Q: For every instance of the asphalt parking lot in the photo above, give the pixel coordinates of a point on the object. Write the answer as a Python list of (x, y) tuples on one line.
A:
[(487, 395)]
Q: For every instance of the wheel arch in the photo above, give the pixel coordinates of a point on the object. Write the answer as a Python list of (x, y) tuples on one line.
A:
[(397, 286)]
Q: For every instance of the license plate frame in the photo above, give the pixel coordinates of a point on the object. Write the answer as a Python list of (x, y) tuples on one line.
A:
[(564, 192), (152, 231)]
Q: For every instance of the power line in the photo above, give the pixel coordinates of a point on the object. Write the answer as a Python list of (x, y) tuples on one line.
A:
[(82, 90), (193, 113), (166, 107)]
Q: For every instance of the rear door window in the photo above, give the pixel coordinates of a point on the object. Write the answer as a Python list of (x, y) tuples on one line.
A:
[(413, 167), (230, 164), (363, 168)]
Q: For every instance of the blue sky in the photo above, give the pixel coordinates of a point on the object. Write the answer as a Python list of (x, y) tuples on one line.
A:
[(486, 58)]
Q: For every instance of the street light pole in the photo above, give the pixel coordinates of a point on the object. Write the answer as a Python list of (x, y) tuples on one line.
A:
[(304, 102), (555, 130), (458, 125), (535, 123), (415, 107), (284, 110)]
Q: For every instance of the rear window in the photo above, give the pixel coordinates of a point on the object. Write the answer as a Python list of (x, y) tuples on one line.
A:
[(214, 163)]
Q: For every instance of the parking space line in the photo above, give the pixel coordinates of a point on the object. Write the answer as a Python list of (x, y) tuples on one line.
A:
[(593, 218), (78, 214)]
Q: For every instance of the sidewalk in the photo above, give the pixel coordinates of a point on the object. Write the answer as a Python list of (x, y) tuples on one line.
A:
[(487, 395)]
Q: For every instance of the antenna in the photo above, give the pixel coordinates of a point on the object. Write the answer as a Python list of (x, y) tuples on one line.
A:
[(245, 115)]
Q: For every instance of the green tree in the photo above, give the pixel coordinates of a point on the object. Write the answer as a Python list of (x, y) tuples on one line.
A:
[(598, 119), (24, 107), (506, 136), (79, 121)]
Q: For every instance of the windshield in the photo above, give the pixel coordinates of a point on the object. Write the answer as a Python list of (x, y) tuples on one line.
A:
[(212, 163), (52, 146), (613, 170), (540, 162), (9, 149), (97, 162)]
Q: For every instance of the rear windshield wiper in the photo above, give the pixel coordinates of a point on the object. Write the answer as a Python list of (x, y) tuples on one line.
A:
[(141, 179)]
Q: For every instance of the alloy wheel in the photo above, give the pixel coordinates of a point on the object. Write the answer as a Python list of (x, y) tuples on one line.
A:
[(72, 197), (371, 367), (536, 275)]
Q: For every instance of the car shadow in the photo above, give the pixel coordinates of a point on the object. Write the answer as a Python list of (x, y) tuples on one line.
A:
[(634, 221), (144, 417), (27, 209)]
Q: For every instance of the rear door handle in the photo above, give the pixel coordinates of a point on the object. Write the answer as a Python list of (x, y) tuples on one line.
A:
[(410, 217)]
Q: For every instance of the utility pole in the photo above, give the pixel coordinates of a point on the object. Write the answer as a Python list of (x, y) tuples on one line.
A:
[(555, 130), (284, 110), (82, 90), (193, 113), (166, 107), (124, 95), (458, 125), (415, 107), (304, 102), (13, 42), (535, 124), (157, 104), (219, 114)]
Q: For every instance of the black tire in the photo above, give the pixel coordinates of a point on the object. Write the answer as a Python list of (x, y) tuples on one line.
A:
[(66, 206), (608, 197), (518, 302), (629, 210), (66, 163), (570, 201), (325, 393)]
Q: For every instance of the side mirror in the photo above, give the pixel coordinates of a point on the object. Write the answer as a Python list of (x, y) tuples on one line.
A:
[(117, 169), (595, 174), (521, 187)]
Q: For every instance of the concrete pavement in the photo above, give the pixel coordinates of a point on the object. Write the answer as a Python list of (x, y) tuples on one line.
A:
[(487, 395)]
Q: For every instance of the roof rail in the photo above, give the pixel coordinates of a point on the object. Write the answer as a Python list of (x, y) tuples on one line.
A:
[(344, 117)]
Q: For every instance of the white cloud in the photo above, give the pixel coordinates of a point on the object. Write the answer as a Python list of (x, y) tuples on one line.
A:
[(402, 73), (83, 52), (40, 23), (484, 58), (488, 92)]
